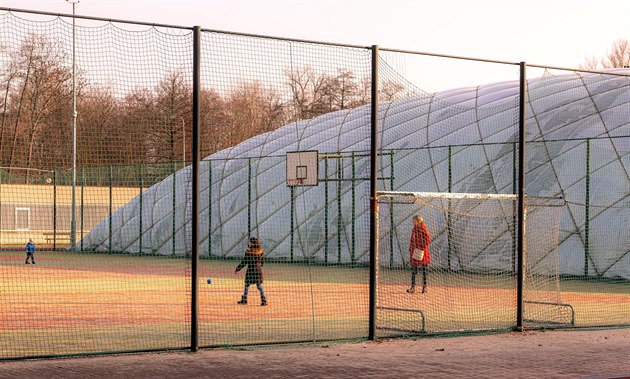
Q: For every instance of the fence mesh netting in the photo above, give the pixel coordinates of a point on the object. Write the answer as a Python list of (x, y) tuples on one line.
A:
[(110, 215)]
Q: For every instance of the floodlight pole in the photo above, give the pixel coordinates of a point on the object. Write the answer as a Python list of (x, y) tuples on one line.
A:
[(73, 222)]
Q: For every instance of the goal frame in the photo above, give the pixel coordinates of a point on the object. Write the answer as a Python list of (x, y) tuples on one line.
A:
[(521, 268), (448, 195)]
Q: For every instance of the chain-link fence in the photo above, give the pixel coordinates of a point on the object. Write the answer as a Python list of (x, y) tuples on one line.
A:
[(142, 204)]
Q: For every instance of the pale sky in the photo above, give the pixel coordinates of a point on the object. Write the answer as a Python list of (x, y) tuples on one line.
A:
[(547, 32)]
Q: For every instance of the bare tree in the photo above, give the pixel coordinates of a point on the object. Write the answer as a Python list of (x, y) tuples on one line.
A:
[(387, 91), (42, 90), (167, 110), (590, 63), (140, 114), (213, 118), (365, 91), (274, 110), (619, 55), (9, 75), (390, 91), (309, 93), (251, 109), (341, 91), (100, 138)]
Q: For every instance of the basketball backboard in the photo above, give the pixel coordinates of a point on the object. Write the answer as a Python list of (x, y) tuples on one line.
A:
[(302, 168)]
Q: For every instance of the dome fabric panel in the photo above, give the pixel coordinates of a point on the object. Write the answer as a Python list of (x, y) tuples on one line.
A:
[(481, 125)]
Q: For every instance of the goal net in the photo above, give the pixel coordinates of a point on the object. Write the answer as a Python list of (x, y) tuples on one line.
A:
[(473, 249)]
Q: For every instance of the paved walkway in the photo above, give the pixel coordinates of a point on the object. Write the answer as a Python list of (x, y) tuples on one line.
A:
[(548, 354)]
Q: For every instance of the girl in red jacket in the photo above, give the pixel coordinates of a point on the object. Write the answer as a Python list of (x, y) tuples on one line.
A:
[(419, 255)]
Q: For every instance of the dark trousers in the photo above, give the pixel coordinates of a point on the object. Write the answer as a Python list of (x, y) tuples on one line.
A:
[(414, 271)]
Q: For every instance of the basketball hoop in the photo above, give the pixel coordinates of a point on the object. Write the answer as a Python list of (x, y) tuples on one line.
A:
[(295, 182), (302, 168)]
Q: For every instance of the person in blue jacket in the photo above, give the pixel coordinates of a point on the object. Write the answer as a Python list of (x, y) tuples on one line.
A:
[(30, 251)]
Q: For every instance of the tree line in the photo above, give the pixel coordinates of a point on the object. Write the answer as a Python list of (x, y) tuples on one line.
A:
[(147, 125), (153, 125), (618, 56)]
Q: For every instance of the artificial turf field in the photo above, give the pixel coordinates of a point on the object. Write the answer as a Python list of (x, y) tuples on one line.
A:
[(81, 303)]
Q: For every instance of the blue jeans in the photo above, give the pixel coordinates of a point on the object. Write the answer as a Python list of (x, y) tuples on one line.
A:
[(260, 288)]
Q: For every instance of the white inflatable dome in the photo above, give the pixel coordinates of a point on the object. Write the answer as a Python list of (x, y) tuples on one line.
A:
[(249, 194)]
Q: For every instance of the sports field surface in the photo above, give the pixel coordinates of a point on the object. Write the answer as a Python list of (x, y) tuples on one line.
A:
[(74, 304)]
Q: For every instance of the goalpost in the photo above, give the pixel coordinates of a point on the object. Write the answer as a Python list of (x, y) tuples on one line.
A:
[(474, 244)]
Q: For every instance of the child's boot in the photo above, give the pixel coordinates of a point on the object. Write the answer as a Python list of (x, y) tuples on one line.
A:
[(243, 300), (263, 301), (411, 290)]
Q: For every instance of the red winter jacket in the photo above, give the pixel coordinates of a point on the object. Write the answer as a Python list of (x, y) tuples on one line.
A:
[(420, 239)]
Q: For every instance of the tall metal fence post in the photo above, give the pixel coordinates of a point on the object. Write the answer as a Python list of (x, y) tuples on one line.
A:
[(249, 198), (54, 210), (514, 207), (354, 223), (291, 248), (587, 210), (73, 220), (449, 221), (174, 209), (140, 216), (326, 210), (373, 196), (111, 206), (391, 210), (194, 302), (522, 120), (0, 208), (339, 215), (82, 213), (209, 207)]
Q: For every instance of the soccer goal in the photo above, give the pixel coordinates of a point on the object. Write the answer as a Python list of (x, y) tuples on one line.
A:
[(474, 245)]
